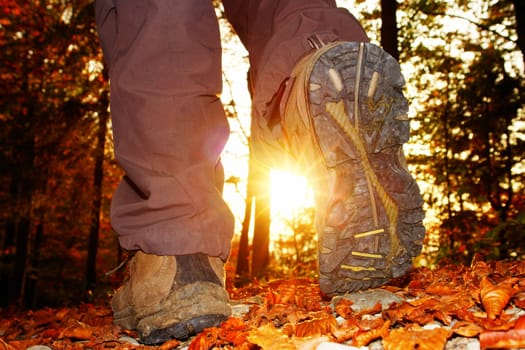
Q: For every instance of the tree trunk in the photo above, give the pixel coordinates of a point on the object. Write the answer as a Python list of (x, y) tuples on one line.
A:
[(389, 27), (258, 201), (261, 228), (22, 192), (242, 271), (23, 225), (519, 10), (32, 272), (98, 175)]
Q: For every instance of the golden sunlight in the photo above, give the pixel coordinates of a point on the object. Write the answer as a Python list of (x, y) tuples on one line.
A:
[(289, 194)]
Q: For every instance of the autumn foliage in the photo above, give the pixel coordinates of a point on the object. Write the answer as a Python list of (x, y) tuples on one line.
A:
[(426, 310)]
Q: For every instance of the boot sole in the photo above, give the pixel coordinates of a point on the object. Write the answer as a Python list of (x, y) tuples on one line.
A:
[(183, 330), (373, 219)]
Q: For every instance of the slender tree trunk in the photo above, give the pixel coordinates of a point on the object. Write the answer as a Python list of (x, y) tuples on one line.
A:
[(23, 191), (32, 272), (18, 224), (21, 258), (389, 40), (258, 201), (519, 10), (6, 259), (242, 271), (91, 263), (508, 154), (261, 231)]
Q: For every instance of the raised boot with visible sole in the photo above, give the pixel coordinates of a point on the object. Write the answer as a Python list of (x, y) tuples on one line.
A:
[(346, 122)]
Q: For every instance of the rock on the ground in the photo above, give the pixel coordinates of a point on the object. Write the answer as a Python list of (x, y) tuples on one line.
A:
[(367, 299)]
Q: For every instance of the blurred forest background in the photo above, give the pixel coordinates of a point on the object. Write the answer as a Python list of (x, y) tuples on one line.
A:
[(464, 66)]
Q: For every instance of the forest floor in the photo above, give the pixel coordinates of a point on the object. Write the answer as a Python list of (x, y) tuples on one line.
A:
[(451, 307)]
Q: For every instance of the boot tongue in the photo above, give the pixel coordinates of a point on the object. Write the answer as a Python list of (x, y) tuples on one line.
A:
[(194, 268)]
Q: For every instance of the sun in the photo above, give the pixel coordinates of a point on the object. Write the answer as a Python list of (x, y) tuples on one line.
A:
[(289, 193)]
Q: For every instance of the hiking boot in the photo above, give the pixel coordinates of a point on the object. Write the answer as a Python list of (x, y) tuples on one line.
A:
[(345, 121), (170, 297)]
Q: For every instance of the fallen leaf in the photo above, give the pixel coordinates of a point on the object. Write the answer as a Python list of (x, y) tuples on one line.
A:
[(369, 323), (61, 313), (79, 331), (416, 337), (270, 338), (5, 346), (344, 308), (467, 329), (42, 317), (440, 289), (311, 343), (346, 331), (421, 311), (319, 326), (21, 344), (369, 336), (170, 344), (513, 338), (495, 297), (370, 311), (205, 340), (519, 299), (234, 331)]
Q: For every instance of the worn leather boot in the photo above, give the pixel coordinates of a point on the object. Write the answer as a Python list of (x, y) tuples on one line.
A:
[(345, 122), (170, 297)]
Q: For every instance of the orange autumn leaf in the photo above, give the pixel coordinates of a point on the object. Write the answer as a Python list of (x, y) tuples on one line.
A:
[(205, 340), (310, 343), (370, 311), (80, 332), (416, 338), (272, 298), (270, 338), (231, 332), (368, 323), (424, 301), (344, 308), (448, 306), (170, 344), (467, 329), (520, 323), (513, 338), (495, 297), (200, 342), (346, 331), (51, 333), (5, 346), (319, 326), (440, 289), (519, 299), (61, 313), (366, 338), (22, 344), (298, 292), (480, 268), (421, 311), (234, 331), (502, 323)]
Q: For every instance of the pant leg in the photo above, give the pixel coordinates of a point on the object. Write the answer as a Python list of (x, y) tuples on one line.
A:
[(276, 33), (169, 125)]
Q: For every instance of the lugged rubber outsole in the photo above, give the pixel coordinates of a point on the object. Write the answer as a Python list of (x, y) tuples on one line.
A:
[(183, 330), (373, 220)]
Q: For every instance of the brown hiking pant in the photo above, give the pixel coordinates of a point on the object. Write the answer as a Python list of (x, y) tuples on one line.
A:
[(164, 60)]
